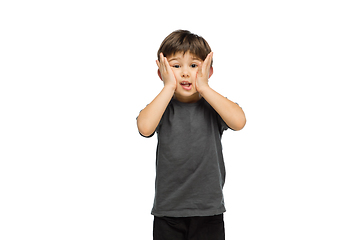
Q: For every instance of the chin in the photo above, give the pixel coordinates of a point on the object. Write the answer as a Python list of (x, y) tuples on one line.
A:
[(185, 93)]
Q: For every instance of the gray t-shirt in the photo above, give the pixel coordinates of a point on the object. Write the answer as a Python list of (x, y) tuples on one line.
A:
[(190, 171)]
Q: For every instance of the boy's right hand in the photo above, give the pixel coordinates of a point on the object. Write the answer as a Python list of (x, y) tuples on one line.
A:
[(165, 72)]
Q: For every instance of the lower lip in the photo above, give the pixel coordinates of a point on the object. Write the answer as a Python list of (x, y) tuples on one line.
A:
[(187, 87)]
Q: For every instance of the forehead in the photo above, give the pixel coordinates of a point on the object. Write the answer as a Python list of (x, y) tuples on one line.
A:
[(183, 56)]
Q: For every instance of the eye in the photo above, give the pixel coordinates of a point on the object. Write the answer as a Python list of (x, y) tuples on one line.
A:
[(193, 65), (176, 66)]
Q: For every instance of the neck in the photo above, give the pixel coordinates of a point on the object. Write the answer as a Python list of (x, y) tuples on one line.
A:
[(191, 99)]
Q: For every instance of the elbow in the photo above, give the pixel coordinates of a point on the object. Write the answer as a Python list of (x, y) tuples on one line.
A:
[(144, 130), (240, 124), (146, 133)]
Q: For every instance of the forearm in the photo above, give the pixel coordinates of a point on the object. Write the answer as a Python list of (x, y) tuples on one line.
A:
[(229, 111), (150, 116)]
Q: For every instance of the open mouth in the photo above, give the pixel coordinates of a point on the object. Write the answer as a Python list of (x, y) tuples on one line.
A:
[(185, 84)]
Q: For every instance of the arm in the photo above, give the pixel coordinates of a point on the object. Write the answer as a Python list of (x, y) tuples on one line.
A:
[(150, 116), (229, 111)]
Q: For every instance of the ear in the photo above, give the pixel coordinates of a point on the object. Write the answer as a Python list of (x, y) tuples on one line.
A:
[(211, 71), (159, 74)]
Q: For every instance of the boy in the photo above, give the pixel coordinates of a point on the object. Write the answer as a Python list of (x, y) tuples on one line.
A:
[(189, 118)]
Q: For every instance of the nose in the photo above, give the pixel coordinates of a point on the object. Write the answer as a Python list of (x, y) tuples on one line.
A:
[(185, 73)]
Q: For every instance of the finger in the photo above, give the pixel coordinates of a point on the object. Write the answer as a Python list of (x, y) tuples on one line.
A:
[(199, 73), (158, 64), (161, 58), (208, 60), (162, 62), (167, 65), (204, 64)]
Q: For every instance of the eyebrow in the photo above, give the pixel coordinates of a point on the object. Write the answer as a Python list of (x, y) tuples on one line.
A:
[(174, 58), (196, 58)]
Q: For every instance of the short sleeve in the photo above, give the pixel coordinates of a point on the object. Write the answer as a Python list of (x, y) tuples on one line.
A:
[(221, 123)]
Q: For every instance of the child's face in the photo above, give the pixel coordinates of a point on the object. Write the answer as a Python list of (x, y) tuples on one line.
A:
[(185, 67)]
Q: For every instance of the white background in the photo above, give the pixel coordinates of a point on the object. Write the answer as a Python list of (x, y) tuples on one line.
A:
[(75, 74)]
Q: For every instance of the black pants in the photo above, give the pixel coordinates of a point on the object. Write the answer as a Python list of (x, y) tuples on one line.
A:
[(189, 228)]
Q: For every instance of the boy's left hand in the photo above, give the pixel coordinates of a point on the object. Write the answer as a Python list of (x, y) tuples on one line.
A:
[(202, 77)]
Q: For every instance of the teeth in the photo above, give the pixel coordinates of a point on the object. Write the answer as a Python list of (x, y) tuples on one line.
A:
[(185, 83)]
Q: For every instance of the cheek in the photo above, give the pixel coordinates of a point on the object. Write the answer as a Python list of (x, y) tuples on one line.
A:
[(194, 73), (176, 73)]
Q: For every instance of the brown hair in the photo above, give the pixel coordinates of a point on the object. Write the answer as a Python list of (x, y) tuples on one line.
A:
[(183, 41)]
